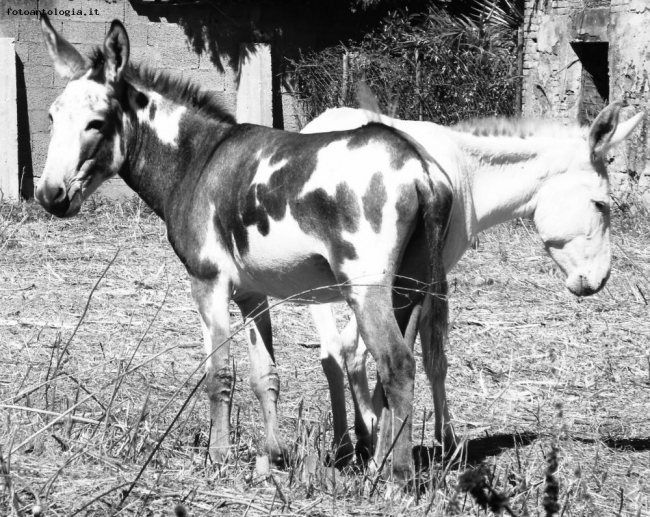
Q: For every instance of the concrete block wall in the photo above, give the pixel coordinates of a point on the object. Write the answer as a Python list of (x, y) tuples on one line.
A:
[(553, 72), (159, 42)]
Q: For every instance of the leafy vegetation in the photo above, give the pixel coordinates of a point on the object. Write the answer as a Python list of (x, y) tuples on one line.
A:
[(435, 65)]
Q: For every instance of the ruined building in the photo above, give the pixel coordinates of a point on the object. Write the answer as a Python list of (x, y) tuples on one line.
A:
[(579, 55)]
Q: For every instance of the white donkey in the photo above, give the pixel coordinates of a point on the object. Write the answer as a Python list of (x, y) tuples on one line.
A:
[(499, 170)]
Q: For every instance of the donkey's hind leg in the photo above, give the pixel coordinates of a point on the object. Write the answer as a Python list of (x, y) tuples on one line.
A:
[(212, 299), (407, 312), (264, 378), (333, 362), (339, 352), (378, 401), (355, 353), (373, 308), (408, 294)]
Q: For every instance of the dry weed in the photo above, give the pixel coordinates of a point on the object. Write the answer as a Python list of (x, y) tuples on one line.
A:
[(99, 360)]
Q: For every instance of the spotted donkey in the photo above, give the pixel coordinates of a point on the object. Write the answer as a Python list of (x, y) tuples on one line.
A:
[(255, 212)]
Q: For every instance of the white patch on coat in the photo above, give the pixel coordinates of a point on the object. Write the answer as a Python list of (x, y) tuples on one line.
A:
[(118, 155), (265, 170), (283, 262), (166, 121), (214, 252), (336, 160), (79, 103)]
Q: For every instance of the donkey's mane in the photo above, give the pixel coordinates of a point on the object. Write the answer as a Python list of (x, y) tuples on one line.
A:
[(519, 128), (181, 91)]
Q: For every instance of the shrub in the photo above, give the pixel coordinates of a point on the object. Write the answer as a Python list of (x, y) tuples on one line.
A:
[(430, 66)]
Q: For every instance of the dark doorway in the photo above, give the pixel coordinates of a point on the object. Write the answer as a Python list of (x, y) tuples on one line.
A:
[(594, 91)]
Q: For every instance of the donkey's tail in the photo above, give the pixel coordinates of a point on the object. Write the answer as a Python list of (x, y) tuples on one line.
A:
[(436, 205)]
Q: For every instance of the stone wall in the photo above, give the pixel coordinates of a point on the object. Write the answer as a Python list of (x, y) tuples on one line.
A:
[(554, 84)]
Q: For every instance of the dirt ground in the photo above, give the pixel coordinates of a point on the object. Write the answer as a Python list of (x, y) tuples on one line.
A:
[(549, 391)]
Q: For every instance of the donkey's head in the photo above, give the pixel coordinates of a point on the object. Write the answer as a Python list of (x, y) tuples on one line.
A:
[(572, 213), (86, 146)]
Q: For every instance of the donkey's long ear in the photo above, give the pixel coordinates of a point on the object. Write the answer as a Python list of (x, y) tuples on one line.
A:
[(67, 61), (603, 129), (607, 133), (624, 129), (116, 52)]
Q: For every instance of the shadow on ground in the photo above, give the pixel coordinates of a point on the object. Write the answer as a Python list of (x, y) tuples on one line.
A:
[(475, 450), (627, 444)]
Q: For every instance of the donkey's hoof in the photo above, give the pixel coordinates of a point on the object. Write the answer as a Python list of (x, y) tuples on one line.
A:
[(397, 491), (402, 475), (219, 455), (424, 457), (364, 450), (343, 454), (278, 453), (447, 449)]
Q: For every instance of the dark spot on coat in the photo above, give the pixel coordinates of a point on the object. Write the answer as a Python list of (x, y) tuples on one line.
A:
[(141, 100), (406, 200), (401, 149), (320, 263), (254, 214), (320, 214), (271, 198), (348, 208), (374, 200), (152, 111)]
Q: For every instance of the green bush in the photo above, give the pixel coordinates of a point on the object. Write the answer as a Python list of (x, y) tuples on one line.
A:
[(432, 66)]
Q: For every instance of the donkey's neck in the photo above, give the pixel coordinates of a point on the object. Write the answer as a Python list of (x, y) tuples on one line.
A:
[(165, 142), (506, 174)]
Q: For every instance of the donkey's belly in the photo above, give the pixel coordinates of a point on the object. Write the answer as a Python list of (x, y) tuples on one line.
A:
[(287, 263), (305, 280)]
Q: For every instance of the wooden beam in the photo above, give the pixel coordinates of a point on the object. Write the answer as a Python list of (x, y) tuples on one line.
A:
[(9, 182), (255, 89)]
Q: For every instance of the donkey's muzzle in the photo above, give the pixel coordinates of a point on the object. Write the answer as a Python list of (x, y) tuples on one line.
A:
[(581, 286), (54, 199)]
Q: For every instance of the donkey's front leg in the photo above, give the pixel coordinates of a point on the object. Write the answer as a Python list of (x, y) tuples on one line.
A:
[(212, 299), (264, 378)]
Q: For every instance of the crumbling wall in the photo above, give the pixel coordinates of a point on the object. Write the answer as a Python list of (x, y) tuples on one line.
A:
[(553, 71)]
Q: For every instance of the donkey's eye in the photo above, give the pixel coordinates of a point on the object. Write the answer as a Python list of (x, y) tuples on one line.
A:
[(600, 206), (97, 125)]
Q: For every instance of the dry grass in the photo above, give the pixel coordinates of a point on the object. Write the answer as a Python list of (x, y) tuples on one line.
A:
[(551, 392)]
